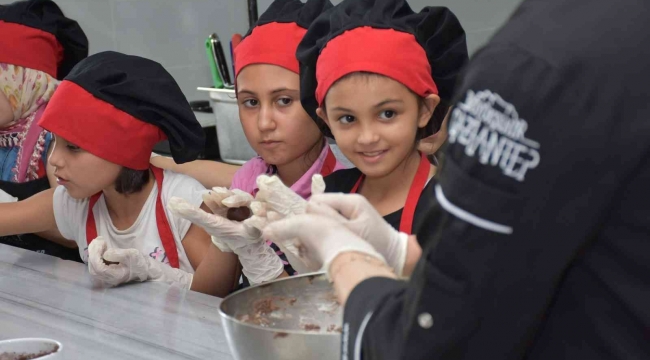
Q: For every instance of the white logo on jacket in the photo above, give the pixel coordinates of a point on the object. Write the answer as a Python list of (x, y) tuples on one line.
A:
[(490, 128)]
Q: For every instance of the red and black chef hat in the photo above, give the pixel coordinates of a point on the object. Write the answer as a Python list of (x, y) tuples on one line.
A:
[(425, 51), (275, 36), (118, 107), (35, 34)]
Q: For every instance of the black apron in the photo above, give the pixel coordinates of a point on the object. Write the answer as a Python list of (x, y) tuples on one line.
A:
[(31, 241)]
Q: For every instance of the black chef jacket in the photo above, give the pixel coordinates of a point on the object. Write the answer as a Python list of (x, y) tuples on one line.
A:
[(544, 250), (343, 181)]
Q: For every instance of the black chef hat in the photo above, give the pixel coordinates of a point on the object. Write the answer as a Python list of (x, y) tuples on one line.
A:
[(425, 51), (118, 107), (36, 35)]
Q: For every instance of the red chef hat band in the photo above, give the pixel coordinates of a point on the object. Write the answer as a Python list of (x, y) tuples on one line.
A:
[(387, 52), (99, 127), (273, 43), (30, 48)]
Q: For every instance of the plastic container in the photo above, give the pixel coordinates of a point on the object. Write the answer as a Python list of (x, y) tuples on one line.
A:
[(233, 146)]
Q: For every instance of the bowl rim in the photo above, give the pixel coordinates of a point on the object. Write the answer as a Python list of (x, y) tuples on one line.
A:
[(46, 340), (228, 317)]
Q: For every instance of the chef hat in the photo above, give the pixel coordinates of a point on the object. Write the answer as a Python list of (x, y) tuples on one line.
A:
[(118, 107), (275, 37), (424, 51), (36, 35)]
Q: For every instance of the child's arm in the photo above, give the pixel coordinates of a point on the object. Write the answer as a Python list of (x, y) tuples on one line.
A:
[(209, 173), (211, 277), (215, 270), (32, 215)]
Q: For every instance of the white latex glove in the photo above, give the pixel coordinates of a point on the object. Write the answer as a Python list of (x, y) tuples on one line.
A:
[(259, 261), (219, 200), (6, 198), (275, 201), (317, 239), (358, 215), (133, 266)]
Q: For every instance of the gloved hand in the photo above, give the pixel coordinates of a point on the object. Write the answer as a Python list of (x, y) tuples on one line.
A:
[(219, 200), (6, 198), (358, 215), (259, 261), (275, 201), (132, 266), (317, 240)]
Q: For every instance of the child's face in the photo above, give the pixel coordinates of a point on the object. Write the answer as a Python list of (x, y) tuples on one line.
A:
[(374, 120), (82, 173), (6, 111), (275, 123)]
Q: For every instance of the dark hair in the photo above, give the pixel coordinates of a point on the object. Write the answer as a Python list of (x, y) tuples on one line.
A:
[(432, 127), (131, 181)]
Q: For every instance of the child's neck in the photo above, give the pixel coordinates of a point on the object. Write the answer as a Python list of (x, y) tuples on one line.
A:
[(125, 209), (388, 193), (291, 172)]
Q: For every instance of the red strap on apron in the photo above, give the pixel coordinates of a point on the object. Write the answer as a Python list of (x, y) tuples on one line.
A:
[(417, 186), (164, 230), (329, 164)]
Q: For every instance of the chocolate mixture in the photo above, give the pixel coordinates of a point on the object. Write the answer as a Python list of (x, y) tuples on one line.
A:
[(239, 213), (26, 356)]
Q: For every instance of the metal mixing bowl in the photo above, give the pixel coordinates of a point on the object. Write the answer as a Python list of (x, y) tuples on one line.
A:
[(290, 318)]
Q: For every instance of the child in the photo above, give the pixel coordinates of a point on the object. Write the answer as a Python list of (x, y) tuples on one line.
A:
[(380, 77), (288, 142), (38, 46), (107, 115)]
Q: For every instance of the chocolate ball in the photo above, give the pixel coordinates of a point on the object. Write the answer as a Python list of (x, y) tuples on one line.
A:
[(239, 213)]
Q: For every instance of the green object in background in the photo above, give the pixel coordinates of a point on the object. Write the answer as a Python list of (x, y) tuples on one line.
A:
[(209, 50)]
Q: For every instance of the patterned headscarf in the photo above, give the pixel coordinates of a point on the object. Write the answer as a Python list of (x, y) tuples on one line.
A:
[(28, 91)]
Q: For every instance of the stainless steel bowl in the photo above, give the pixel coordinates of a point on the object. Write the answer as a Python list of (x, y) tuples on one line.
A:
[(291, 318)]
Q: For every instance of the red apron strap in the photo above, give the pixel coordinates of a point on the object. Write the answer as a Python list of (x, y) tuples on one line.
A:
[(329, 164), (91, 228), (417, 186), (164, 230)]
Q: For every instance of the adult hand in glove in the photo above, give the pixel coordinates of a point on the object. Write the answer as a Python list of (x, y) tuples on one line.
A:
[(275, 201), (131, 265), (325, 244), (259, 261), (358, 215), (318, 239)]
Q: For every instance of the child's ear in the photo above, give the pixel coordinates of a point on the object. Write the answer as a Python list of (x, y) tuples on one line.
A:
[(323, 115), (428, 105), (431, 144)]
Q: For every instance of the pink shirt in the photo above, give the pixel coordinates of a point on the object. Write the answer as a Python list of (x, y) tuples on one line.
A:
[(245, 179)]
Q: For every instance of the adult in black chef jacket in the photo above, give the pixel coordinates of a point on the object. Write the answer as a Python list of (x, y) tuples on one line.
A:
[(544, 250)]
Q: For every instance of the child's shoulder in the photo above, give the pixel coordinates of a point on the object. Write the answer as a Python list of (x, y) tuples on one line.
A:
[(342, 180), (174, 182), (245, 178)]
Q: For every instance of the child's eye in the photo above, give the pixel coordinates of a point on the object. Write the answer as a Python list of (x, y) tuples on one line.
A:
[(285, 101), (387, 114), (72, 147), (346, 119), (250, 103)]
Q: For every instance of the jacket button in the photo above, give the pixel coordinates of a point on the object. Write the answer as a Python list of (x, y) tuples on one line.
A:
[(425, 320)]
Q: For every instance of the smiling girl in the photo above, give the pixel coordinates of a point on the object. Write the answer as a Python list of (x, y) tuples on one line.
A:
[(380, 84)]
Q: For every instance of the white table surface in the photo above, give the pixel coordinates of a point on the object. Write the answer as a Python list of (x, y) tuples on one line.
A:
[(43, 296)]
